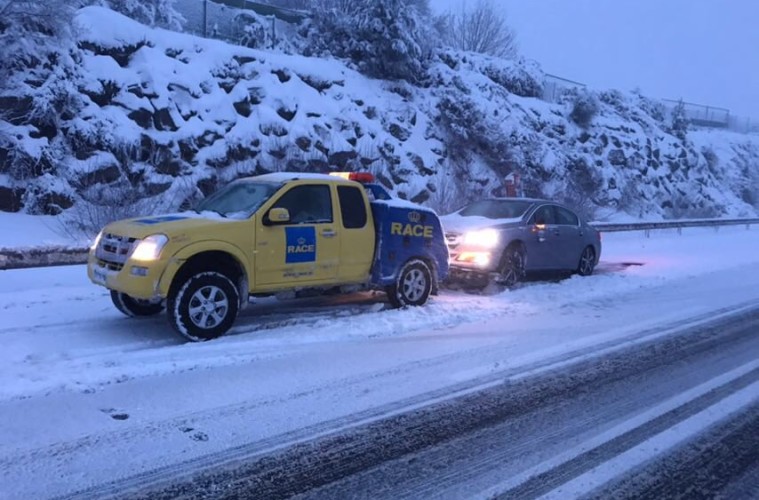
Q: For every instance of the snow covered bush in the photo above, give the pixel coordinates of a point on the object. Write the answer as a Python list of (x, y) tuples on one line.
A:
[(653, 108), (522, 77), (584, 109), (254, 33), (388, 39), (462, 117), (160, 13)]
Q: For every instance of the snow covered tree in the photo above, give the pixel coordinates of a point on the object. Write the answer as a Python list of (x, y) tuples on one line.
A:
[(388, 39), (160, 13), (35, 61), (482, 29), (679, 121), (30, 32), (38, 68)]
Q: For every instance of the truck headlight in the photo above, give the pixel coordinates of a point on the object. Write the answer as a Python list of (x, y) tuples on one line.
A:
[(486, 238), (150, 248)]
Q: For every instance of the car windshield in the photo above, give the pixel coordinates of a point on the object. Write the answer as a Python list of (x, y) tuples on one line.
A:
[(239, 199), (496, 209)]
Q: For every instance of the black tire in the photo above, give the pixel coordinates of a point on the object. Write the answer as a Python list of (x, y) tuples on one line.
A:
[(204, 306), (413, 285), (135, 308), (587, 261), (512, 268)]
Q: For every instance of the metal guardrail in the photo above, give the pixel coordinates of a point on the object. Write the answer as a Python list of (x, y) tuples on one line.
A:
[(678, 224), (22, 258), (11, 258), (701, 114), (264, 9)]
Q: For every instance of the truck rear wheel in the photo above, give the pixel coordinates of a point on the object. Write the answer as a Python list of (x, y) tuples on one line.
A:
[(413, 285), (204, 306), (135, 307)]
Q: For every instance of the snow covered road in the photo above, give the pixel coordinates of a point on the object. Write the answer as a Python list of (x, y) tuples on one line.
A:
[(91, 397)]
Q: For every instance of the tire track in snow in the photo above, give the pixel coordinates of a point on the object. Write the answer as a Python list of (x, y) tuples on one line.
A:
[(701, 468), (551, 481)]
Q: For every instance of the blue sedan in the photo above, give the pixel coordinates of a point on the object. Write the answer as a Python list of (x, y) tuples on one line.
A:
[(501, 240)]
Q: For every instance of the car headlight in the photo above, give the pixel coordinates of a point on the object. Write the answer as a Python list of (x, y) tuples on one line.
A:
[(480, 259), (150, 248), (486, 238)]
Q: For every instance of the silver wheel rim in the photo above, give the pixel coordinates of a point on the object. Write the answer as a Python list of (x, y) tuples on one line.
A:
[(586, 261), (208, 307), (514, 271), (414, 285)]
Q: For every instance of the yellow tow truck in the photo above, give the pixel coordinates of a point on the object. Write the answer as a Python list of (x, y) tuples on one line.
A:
[(265, 235)]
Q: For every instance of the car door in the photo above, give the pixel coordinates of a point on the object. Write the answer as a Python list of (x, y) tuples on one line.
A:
[(543, 240), (570, 238), (305, 250)]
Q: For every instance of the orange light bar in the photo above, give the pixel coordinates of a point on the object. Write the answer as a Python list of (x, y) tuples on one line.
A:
[(355, 176)]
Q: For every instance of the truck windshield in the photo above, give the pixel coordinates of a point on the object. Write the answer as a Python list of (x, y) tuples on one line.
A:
[(496, 209), (238, 200)]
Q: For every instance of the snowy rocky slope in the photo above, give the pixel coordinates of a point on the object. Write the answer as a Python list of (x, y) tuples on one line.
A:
[(154, 113)]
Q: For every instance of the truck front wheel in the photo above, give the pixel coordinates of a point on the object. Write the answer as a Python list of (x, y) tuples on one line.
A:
[(135, 307), (413, 285), (204, 306)]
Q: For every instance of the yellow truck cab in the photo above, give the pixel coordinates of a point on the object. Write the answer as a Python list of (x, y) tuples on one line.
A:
[(264, 235)]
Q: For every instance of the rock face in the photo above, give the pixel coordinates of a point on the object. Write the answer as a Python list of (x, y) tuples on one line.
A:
[(177, 116)]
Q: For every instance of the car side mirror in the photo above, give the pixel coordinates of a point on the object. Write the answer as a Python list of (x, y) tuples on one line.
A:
[(278, 216)]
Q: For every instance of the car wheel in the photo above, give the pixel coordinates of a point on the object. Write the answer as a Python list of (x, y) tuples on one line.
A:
[(413, 285), (512, 269), (135, 307), (204, 306), (587, 262)]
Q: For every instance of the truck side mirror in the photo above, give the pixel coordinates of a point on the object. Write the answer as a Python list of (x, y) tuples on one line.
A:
[(278, 216)]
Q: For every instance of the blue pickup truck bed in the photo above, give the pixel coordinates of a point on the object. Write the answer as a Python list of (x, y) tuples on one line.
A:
[(406, 231)]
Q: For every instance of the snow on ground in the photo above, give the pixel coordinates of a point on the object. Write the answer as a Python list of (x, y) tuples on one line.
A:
[(89, 381), (22, 231)]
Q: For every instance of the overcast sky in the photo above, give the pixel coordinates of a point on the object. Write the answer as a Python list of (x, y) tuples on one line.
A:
[(703, 51)]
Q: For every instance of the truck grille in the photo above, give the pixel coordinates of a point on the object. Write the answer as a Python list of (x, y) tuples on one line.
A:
[(113, 250)]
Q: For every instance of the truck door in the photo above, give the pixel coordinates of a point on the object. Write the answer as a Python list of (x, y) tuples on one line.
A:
[(357, 235), (304, 251)]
